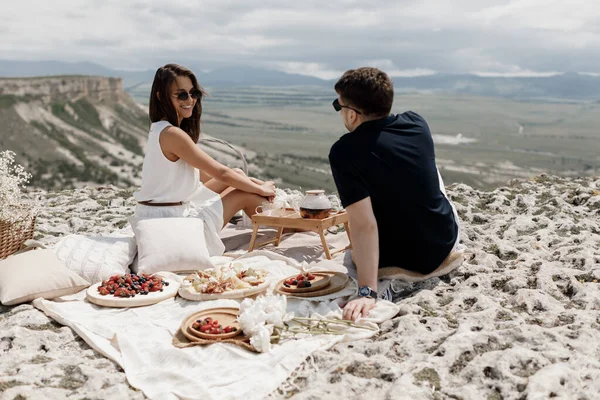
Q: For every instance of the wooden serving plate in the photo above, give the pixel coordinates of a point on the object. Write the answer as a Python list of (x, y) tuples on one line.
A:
[(225, 316), (190, 293), (139, 300), (318, 283), (337, 282)]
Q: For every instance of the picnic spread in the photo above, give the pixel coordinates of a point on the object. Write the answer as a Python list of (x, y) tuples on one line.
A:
[(238, 325)]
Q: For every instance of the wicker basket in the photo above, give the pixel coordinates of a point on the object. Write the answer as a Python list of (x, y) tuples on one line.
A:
[(13, 234)]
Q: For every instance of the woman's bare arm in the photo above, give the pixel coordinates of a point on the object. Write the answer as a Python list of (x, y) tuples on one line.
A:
[(175, 142)]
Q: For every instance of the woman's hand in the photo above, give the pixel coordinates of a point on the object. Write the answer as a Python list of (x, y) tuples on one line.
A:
[(267, 190)]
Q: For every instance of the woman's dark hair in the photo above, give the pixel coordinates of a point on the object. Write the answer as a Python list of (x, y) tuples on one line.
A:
[(367, 89), (163, 108)]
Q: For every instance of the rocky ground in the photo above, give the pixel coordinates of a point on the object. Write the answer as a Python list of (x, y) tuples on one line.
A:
[(519, 320)]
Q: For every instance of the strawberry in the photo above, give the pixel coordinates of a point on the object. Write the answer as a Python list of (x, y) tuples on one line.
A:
[(227, 329), (156, 288)]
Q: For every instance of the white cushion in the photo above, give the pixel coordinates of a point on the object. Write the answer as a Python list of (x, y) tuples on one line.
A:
[(36, 273), (170, 244), (96, 258)]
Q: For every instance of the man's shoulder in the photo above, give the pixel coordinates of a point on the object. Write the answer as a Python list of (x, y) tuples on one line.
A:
[(412, 117), (342, 145)]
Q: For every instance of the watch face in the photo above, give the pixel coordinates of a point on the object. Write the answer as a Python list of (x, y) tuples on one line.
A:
[(364, 291)]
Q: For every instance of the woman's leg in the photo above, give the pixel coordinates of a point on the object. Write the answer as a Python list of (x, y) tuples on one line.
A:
[(236, 200)]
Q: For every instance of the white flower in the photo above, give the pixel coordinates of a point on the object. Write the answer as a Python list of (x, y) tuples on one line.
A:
[(246, 304), (251, 320), (275, 308), (260, 314), (261, 339), (13, 177)]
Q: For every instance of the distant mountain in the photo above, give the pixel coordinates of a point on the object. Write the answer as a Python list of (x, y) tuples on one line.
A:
[(247, 76), (232, 76), (15, 68), (570, 86), (567, 86)]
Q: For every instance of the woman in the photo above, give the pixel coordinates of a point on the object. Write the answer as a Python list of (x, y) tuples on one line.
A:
[(171, 185)]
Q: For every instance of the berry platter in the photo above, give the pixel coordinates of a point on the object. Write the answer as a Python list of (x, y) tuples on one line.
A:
[(305, 282), (337, 282), (212, 324), (132, 290)]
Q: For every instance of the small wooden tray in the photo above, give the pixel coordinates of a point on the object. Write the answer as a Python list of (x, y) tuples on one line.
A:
[(225, 316), (338, 281), (318, 283)]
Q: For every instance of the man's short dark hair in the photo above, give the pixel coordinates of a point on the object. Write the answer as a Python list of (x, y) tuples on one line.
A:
[(368, 89)]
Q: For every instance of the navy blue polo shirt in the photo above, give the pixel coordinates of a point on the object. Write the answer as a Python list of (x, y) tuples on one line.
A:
[(392, 161)]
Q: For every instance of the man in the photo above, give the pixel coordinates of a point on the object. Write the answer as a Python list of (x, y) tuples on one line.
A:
[(387, 179)]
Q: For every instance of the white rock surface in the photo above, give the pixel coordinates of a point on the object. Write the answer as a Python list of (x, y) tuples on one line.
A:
[(519, 320)]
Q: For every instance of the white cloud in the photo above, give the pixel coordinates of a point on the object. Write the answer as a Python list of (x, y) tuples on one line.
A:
[(309, 69), (312, 37), (516, 74), (392, 70), (512, 71)]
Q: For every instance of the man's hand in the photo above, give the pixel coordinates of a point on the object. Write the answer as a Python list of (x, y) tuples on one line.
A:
[(358, 307)]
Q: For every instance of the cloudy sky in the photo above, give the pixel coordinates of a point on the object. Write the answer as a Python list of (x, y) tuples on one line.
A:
[(312, 37)]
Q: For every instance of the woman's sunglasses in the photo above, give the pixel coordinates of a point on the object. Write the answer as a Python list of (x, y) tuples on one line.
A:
[(194, 94), (337, 106)]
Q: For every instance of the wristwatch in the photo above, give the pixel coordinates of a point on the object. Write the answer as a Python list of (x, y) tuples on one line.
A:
[(365, 291)]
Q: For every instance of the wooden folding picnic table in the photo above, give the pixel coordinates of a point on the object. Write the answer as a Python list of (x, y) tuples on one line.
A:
[(289, 218)]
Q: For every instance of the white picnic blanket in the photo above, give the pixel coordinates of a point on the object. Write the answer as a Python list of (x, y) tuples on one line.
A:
[(140, 340)]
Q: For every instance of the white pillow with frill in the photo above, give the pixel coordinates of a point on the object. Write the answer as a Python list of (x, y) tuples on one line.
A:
[(96, 258)]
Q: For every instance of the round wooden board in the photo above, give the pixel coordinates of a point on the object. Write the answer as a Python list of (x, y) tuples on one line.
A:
[(318, 283), (338, 281), (225, 316), (232, 294), (138, 301)]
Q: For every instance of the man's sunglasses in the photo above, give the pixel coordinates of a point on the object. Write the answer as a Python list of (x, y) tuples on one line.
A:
[(337, 106), (183, 96)]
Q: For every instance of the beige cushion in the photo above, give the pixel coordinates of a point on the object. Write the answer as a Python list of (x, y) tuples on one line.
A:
[(453, 261), (36, 273), (170, 244)]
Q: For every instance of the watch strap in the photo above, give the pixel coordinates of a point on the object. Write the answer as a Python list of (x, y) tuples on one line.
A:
[(362, 292)]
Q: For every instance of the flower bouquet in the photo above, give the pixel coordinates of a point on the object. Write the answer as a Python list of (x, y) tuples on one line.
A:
[(17, 216), (266, 321)]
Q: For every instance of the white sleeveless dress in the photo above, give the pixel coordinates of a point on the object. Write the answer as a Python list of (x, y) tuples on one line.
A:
[(166, 181)]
